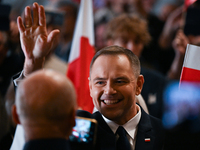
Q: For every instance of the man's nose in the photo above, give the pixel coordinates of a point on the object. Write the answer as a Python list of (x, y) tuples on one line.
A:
[(109, 89)]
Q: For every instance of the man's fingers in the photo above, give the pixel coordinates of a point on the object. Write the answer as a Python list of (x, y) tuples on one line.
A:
[(20, 25), (28, 17), (51, 37), (35, 14), (42, 17)]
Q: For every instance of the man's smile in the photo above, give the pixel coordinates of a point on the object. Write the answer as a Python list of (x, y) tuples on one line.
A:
[(110, 102)]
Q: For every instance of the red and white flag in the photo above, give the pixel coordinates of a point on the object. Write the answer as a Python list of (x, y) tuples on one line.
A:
[(191, 65), (81, 54)]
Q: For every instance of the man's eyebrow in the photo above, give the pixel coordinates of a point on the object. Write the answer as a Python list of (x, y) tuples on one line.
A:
[(124, 78), (98, 78), (121, 77)]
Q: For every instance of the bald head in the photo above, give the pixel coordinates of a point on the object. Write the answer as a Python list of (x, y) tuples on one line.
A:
[(46, 98)]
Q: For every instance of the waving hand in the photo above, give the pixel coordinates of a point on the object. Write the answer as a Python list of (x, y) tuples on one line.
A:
[(35, 41)]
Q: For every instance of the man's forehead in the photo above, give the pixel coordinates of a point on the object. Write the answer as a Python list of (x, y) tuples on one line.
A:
[(117, 64), (111, 56), (109, 59)]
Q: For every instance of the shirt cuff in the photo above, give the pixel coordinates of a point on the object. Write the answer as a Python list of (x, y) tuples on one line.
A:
[(19, 79)]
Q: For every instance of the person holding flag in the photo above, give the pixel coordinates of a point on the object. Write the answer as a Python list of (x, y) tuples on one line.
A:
[(188, 34)]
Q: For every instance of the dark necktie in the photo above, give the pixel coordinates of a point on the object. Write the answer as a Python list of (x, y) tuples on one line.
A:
[(122, 142)]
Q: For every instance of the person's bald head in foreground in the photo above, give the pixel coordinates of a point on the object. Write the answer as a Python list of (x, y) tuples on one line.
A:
[(45, 105)]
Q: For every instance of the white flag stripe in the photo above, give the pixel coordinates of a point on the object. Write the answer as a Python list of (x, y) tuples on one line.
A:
[(192, 57), (83, 28), (87, 17)]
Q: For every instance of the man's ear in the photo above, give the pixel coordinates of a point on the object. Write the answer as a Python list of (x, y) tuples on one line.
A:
[(90, 86), (140, 82), (15, 115)]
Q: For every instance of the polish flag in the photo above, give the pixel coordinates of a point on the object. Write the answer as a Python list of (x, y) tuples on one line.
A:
[(81, 54), (191, 65)]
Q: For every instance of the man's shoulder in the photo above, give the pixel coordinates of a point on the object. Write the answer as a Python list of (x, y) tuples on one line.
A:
[(151, 120), (156, 123), (151, 123)]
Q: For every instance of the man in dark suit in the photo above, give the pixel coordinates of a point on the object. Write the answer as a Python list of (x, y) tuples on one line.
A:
[(114, 82), (45, 106)]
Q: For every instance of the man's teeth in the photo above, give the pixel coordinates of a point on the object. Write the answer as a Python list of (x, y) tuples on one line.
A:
[(109, 102)]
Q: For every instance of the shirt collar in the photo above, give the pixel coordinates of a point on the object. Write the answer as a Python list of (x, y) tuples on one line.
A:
[(130, 126)]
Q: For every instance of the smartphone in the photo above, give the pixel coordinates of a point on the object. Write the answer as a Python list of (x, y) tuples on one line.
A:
[(84, 132)]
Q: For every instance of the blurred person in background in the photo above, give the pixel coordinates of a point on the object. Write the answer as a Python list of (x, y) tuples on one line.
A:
[(155, 26), (70, 10), (11, 62), (99, 30), (172, 24), (111, 9)]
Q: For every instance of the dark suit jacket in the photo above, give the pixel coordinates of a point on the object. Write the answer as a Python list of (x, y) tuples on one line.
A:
[(148, 127), (47, 144)]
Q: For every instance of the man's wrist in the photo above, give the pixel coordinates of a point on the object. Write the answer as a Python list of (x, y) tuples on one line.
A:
[(32, 65)]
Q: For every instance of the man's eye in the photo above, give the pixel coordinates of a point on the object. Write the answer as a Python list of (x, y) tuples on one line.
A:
[(120, 81), (99, 82)]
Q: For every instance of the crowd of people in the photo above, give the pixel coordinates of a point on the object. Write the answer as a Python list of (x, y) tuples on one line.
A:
[(138, 53)]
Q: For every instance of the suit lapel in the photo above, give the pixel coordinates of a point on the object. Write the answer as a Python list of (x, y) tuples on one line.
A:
[(105, 136), (145, 135)]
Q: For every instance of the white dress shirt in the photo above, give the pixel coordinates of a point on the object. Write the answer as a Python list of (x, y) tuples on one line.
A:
[(131, 127)]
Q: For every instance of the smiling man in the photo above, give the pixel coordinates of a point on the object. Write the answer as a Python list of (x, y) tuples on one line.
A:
[(114, 82)]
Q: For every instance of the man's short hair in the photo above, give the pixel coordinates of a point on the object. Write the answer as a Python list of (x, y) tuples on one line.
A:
[(117, 50), (128, 26)]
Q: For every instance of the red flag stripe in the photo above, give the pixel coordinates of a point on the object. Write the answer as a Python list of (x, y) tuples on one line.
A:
[(86, 54), (78, 72), (191, 75)]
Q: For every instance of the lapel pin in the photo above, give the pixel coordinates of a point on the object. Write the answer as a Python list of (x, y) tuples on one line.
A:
[(147, 140)]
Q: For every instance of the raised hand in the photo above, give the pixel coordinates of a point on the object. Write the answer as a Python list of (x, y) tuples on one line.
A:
[(35, 41), (180, 42)]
